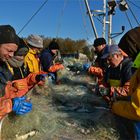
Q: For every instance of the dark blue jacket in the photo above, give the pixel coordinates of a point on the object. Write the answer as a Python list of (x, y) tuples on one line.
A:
[(123, 72), (46, 59), (102, 63), (5, 75)]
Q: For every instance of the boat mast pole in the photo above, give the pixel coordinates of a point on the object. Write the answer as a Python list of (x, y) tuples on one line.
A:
[(91, 19), (104, 18), (109, 29)]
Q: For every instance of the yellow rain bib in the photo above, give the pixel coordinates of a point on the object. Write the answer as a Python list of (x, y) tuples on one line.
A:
[(114, 83)]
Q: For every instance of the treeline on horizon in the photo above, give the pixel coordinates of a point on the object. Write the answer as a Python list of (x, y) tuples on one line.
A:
[(67, 45)]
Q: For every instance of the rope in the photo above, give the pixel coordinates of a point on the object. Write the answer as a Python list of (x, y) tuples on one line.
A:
[(128, 20), (32, 16), (62, 13), (133, 15), (21, 72)]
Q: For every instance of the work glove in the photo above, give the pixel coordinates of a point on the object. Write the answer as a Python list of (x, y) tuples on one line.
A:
[(21, 106), (86, 66), (20, 84)]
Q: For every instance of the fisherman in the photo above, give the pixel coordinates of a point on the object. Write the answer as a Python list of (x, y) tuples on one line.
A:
[(12, 92), (50, 60), (117, 75), (31, 60), (100, 65), (16, 63), (129, 107)]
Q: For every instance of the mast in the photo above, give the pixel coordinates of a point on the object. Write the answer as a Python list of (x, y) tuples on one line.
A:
[(104, 18), (109, 29), (91, 19)]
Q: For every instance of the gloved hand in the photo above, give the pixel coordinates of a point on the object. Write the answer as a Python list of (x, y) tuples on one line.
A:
[(20, 84), (21, 106), (86, 66), (52, 75), (40, 77)]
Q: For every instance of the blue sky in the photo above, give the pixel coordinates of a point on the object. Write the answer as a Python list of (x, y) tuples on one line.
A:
[(73, 22)]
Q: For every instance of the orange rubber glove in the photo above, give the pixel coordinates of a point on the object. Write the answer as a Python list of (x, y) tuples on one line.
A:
[(5, 107), (56, 67), (20, 84)]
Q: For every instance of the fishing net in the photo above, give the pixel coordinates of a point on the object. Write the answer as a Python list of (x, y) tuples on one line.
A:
[(68, 111)]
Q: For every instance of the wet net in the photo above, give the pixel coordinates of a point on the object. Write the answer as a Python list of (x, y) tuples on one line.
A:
[(68, 111)]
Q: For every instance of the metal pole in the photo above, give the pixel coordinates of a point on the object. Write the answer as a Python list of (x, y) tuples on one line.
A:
[(91, 19), (109, 28), (104, 18)]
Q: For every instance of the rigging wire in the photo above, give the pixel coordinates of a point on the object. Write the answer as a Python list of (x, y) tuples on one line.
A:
[(83, 19), (62, 13), (33, 16), (133, 14), (134, 4), (128, 19), (99, 19)]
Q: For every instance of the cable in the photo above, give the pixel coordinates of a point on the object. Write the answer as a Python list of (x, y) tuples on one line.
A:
[(62, 13), (83, 19), (133, 14), (133, 4), (32, 16), (128, 20)]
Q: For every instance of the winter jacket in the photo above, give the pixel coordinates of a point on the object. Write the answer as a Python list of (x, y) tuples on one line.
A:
[(99, 68), (32, 61), (46, 59), (119, 77), (130, 109), (10, 89)]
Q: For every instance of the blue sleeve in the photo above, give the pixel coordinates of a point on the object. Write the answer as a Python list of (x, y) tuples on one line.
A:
[(46, 60)]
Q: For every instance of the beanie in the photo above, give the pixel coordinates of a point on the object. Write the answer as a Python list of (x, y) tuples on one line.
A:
[(99, 41), (8, 35), (53, 45)]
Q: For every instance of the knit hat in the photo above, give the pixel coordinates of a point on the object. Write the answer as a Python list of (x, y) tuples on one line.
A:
[(22, 49), (99, 41), (35, 41), (8, 35), (53, 45)]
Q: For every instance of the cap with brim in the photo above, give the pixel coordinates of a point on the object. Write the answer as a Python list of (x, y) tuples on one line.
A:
[(35, 41), (110, 49)]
